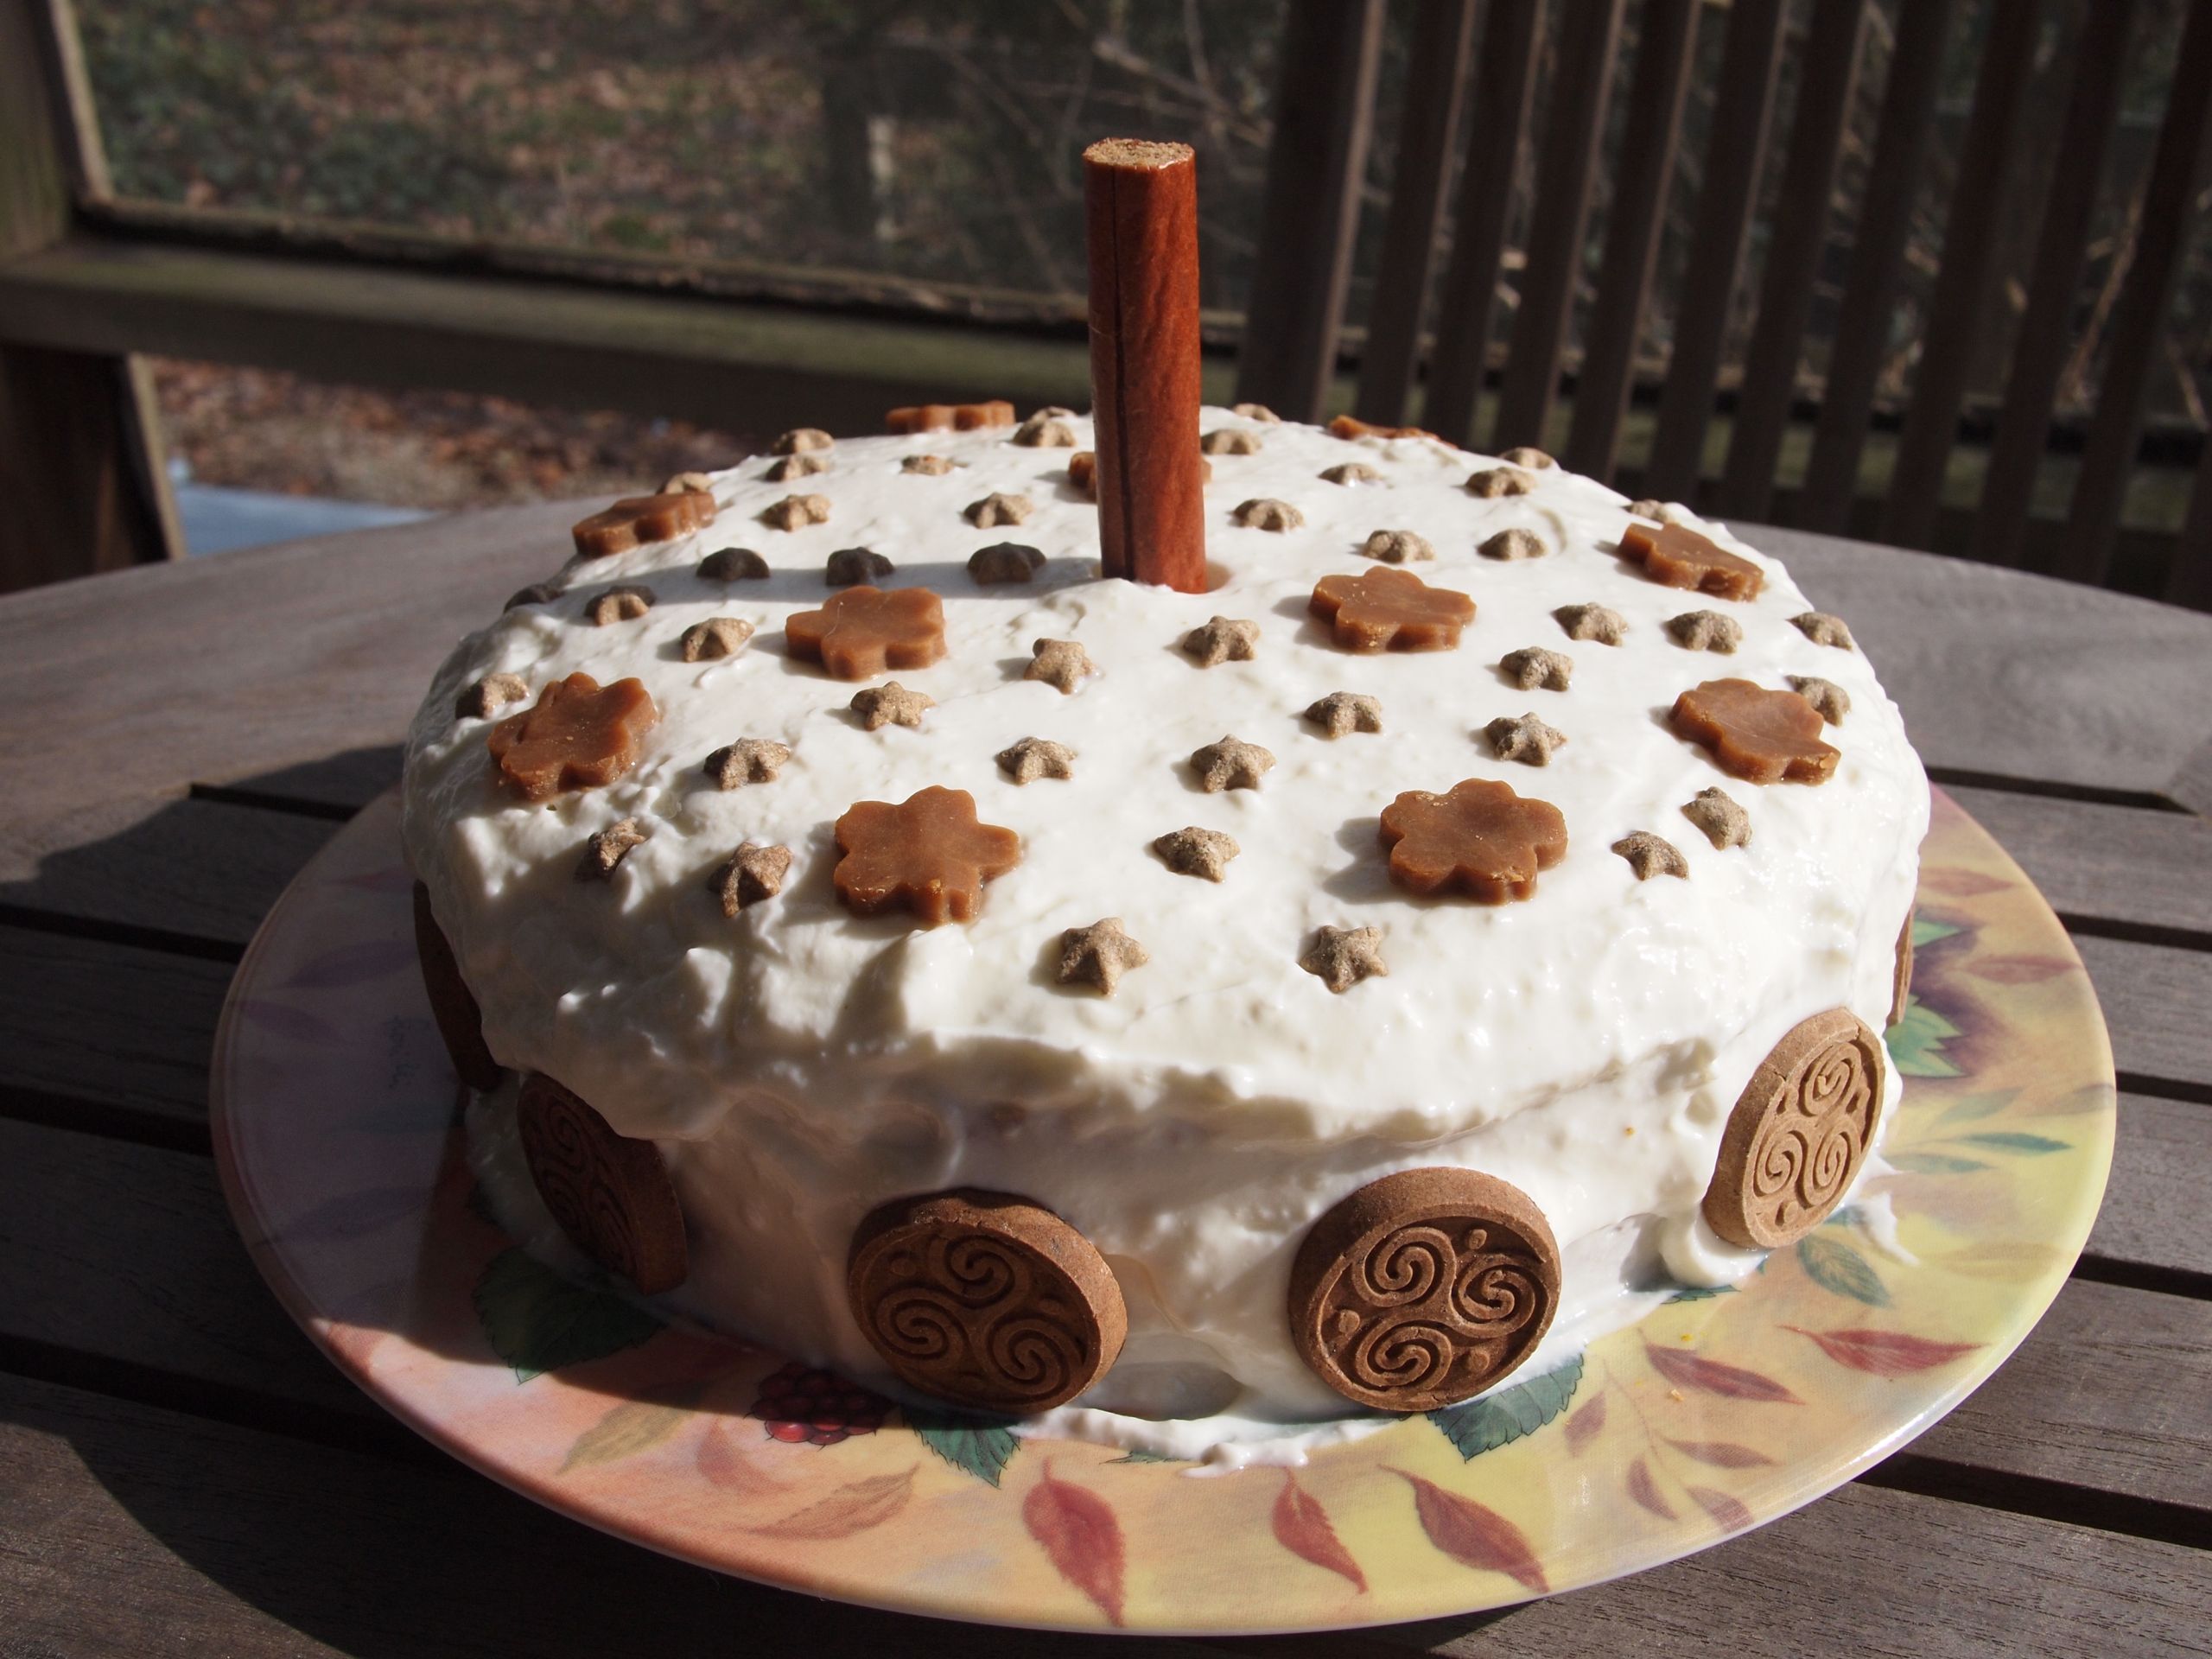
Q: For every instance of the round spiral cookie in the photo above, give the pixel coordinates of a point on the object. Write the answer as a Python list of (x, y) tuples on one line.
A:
[(1798, 1133), (985, 1299), (1901, 978), (453, 1006), (611, 1194), (1423, 1288)]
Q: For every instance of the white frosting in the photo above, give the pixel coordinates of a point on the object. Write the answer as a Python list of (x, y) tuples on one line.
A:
[(800, 1065)]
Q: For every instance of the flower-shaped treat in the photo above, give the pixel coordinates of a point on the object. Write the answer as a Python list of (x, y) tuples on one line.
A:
[(1390, 609), (1762, 736), (861, 632), (928, 853), (1481, 839), (579, 735), (1682, 558), (641, 519)]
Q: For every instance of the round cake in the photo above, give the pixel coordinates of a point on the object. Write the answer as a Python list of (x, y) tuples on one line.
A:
[(888, 938)]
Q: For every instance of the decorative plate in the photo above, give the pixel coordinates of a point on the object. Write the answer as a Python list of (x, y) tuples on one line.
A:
[(335, 1127)]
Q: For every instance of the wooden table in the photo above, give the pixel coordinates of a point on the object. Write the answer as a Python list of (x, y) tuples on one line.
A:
[(180, 1471)]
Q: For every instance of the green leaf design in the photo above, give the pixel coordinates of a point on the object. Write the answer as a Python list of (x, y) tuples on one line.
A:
[(981, 1446), (1698, 1293), (631, 1426), (2016, 1140), (1925, 931), (1917, 1038), (1974, 1108), (1850, 1216), (1932, 1163), (1500, 1419), (1145, 1454), (538, 1320), (1833, 1265)]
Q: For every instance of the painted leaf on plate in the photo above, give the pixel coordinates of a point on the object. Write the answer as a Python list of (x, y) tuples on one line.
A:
[(1916, 1042), (2019, 970), (1302, 1527), (1731, 1514), (1583, 1423), (293, 1024), (725, 1463), (1687, 1371), (1646, 1492), (2032, 1146), (1884, 1353), (1833, 1265), (1722, 1454), (352, 964), (1079, 1534), (538, 1320), (1969, 1108), (1932, 1163), (1926, 930), (1500, 1418), (1956, 883), (854, 1507), (628, 1428), (1698, 1293), (1475, 1534), (981, 1446)]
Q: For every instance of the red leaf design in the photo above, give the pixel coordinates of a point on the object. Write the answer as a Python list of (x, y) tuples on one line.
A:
[(1080, 1534), (2019, 970), (1884, 1353), (1732, 1382), (393, 877), (1731, 1515), (1645, 1491), (1302, 1528), (854, 1507), (1721, 1454), (350, 964), (1959, 884), (722, 1462), (1584, 1422), (1469, 1532), (293, 1024)]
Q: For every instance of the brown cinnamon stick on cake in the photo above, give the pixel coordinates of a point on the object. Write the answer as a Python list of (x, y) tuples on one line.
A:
[(1142, 202)]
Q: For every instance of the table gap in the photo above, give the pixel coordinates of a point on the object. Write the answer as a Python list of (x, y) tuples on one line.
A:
[(2155, 1519), (1966, 778), (2144, 1275)]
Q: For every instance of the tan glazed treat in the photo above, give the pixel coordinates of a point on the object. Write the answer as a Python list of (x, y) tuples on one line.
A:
[(643, 518), (927, 854), (1682, 558), (1763, 736), (1799, 1133), (863, 631), (1424, 1288), (579, 735), (985, 1299), (610, 1194)]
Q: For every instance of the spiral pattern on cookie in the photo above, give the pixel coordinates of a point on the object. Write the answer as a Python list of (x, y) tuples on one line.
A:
[(1811, 1142), (605, 1191)]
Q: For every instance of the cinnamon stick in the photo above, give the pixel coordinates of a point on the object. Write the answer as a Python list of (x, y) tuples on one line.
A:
[(1141, 203)]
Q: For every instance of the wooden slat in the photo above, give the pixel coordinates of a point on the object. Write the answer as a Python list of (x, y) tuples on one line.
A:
[(1506, 78), (1735, 160), (752, 366), (2154, 1214), (2046, 333), (2188, 576), (1567, 168), (1829, 73), (1309, 217), (2139, 320), (1959, 312), (2154, 998), (2108, 863), (126, 1254), (1863, 328), (1436, 81), (110, 1024), (2111, 1391), (204, 868), (1664, 54)]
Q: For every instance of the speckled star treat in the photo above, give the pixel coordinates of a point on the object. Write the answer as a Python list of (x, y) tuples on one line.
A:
[(1170, 1015)]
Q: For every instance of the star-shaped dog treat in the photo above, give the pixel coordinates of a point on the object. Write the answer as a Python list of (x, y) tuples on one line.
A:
[(891, 704), (861, 632), (1342, 713), (579, 735), (1230, 763), (1033, 758), (1099, 955), (1705, 631), (1682, 558), (750, 875), (1390, 609), (1193, 851), (1341, 957), (1223, 639), (927, 853), (748, 760), (1480, 839), (1061, 664), (1762, 736), (1527, 740)]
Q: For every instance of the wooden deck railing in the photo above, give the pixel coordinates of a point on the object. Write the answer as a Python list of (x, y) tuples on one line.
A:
[(1488, 294)]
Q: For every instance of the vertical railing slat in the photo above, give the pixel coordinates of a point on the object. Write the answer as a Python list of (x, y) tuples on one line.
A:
[(2092, 110), (1832, 47), (1735, 158), (1894, 176), (2139, 321), (1641, 183), (1505, 76), (1317, 162), (2189, 578), (1436, 80), (1958, 313), (1589, 43)]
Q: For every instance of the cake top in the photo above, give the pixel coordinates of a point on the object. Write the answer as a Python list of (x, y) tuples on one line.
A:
[(871, 783)]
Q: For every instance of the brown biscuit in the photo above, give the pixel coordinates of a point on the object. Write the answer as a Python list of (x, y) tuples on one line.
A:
[(611, 1194), (1423, 1288), (638, 519), (1798, 1133), (985, 1299), (453, 1005)]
